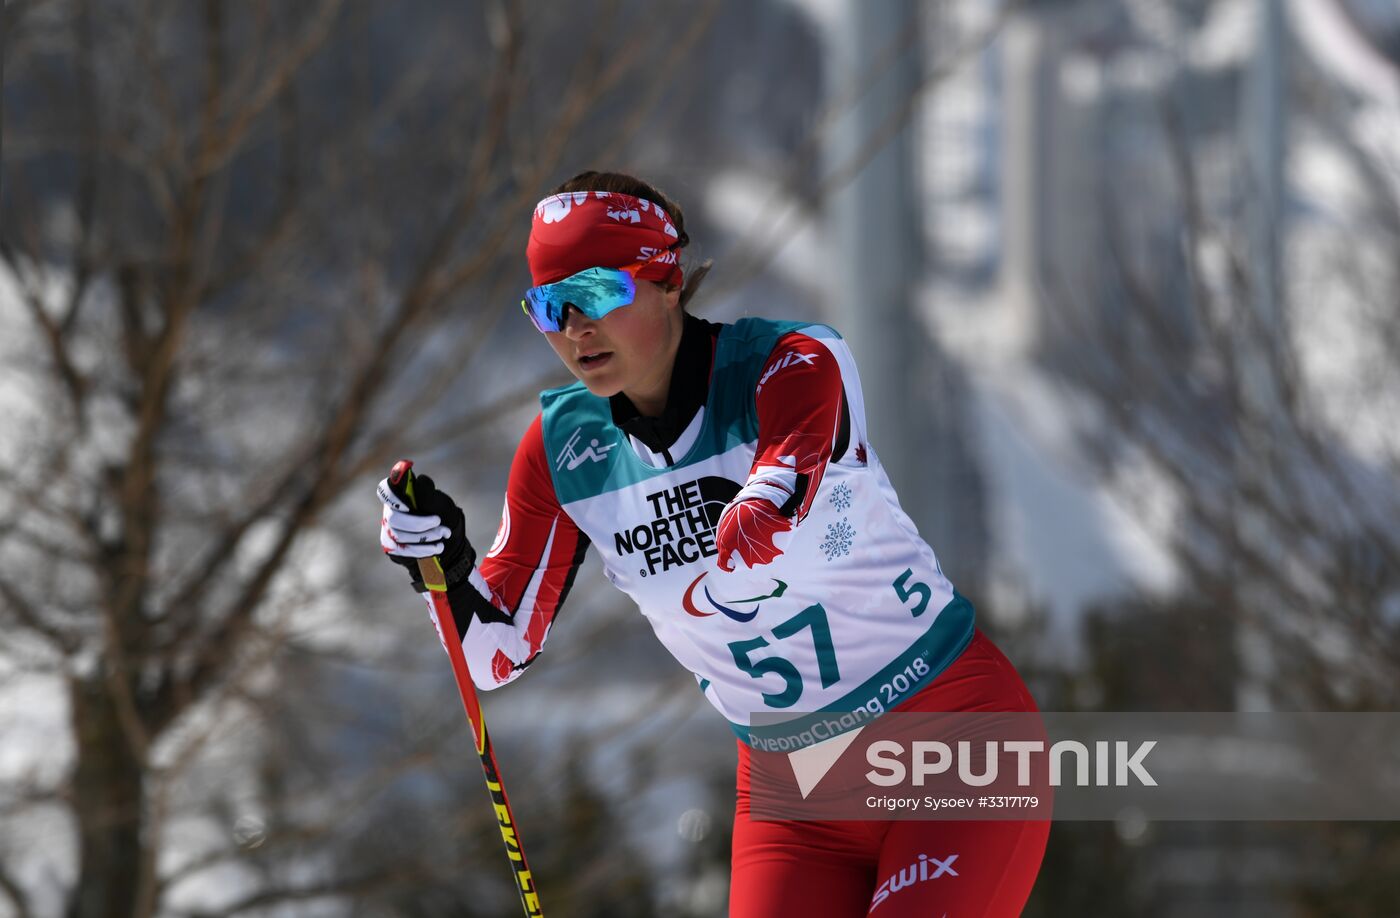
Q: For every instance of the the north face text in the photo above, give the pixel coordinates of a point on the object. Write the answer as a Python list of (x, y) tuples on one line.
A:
[(683, 528)]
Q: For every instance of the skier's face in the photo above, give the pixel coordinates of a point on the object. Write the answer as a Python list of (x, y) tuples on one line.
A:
[(639, 343)]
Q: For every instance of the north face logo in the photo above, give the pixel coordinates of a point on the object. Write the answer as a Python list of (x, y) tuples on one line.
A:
[(683, 528)]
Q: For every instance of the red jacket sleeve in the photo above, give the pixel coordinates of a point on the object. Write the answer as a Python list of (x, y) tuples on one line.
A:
[(525, 576), (800, 403)]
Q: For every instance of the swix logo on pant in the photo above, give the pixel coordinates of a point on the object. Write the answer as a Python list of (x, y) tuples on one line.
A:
[(788, 360), (926, 868), (682, 529)]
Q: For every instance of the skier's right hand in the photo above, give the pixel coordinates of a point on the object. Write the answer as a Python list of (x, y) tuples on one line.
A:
[(754, 519), (435, 527)]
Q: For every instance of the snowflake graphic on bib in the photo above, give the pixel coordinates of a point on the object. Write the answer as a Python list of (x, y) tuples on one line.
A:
[(838, 539)]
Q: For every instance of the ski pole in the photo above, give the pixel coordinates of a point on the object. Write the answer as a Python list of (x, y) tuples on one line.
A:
[(430, 569)]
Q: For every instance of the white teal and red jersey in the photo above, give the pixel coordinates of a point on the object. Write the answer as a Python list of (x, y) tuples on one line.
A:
[(835, 609)]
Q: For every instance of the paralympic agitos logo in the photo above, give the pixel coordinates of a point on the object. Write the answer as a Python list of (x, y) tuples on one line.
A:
[(683, 528), (729, 607)]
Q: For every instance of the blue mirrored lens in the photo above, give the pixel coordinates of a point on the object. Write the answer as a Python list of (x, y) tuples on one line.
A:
[(594, 292)]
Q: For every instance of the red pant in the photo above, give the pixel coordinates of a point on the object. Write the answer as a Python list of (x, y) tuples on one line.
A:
[(889, 868)]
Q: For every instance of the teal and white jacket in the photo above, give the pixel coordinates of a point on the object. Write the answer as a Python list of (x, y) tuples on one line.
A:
[(835, 609)]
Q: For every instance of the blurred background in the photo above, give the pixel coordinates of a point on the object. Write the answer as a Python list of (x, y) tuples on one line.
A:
[(1122, 278)]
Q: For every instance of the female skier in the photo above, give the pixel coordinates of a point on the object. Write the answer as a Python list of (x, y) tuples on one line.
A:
[(725, 476)]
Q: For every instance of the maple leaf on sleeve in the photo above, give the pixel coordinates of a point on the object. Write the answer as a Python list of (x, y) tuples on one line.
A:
[(748, 528)]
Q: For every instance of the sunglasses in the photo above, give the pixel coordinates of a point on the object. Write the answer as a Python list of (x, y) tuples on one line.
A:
[(595, 292)]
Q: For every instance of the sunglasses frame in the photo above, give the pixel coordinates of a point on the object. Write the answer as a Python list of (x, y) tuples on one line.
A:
[(627, 275)]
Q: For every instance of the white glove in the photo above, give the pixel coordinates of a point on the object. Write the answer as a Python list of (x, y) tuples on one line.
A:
[(405, 534)]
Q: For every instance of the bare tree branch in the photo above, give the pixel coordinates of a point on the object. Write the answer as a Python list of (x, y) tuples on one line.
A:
[(18, 606), (74, 383), (221, 146)]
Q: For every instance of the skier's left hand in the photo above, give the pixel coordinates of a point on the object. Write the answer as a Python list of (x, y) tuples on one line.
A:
[(748, 528)]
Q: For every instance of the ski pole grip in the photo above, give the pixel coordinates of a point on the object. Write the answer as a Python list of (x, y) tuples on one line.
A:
[(401, 482)]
